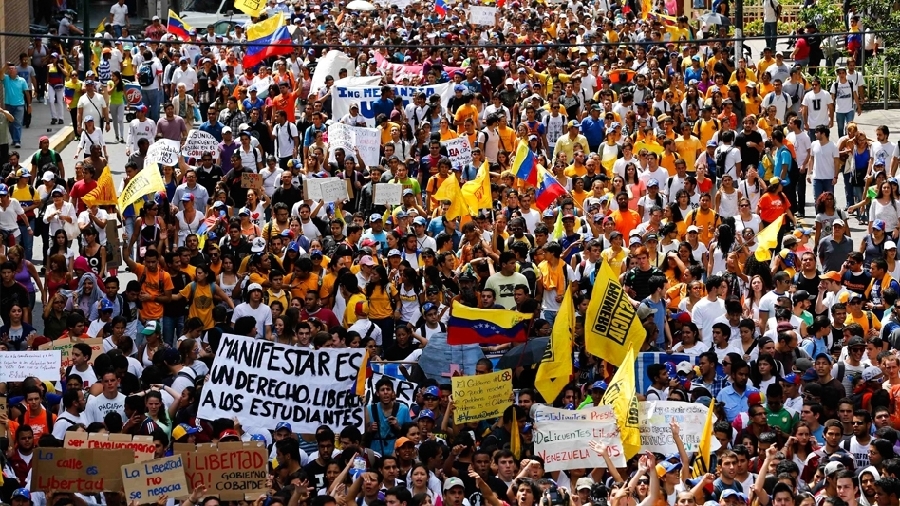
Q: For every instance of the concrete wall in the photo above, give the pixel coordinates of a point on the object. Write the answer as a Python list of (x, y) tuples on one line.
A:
[(15, 16)]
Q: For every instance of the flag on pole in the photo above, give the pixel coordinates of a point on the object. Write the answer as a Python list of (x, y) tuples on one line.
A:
[(251, 8), (768, 240), (177, 27), (704, 449), (147, 181), (548, 189), (525, 164), (105, 192), (611, 327), (477, 192), (449, 190), (621, 396), (555, 368), (267, 38)]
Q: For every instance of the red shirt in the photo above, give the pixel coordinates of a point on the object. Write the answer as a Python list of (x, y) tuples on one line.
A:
[(80, 189)]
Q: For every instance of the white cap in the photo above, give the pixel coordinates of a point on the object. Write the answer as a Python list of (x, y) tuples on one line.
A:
[(48, 176), (254, 286), (889, 245), (258, 245), (693, 228)]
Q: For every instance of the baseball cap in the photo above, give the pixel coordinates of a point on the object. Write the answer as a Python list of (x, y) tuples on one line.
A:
[(872, 373), (254, 286), (106, 305), (830, 469), (856, 341), (375, 217), (831, 275), (734, 493), (48, 176), (408, 192), (187, 197), (809, 375), (666, 467), (152, 327), (366, 260), (643, 311), (693, 228), (427, 413), (879, 224), (711, 144), (283, 425), (792, 378), (4, 190), (21, 492), (419, 221), (432, 391), (393, 253), (183, 430), (599, 385), (428, 306), (402, 441), (258, 245), (229, 434), (584, 484), (453, 482), (57, 191), (684, 367)]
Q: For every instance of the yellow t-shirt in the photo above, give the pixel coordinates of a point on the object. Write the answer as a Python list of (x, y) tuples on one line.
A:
[(202, 304), (705, 129), (706, 222), (615, 260), (465, 111), (350, 314), (863, 321), (575, 171), (281, 296), (688, 149), (449, 135), (668, 162), (380, 304)]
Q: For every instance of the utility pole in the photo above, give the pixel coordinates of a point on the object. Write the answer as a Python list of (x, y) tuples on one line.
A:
[(86, 44)]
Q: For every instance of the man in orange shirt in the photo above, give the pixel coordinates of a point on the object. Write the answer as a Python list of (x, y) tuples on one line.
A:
[(36, 415), (286, 101), (626, 220), (156, 285)]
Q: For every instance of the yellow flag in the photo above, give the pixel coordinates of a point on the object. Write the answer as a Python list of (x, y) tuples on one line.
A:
[(148, 180), (701, 461), (477, 192), (449, 190), (556, 366), (768, 239), (515, 440), (250, 7), (622, 397), (263, 28), (105, 192), (101, 27), (611, 327)]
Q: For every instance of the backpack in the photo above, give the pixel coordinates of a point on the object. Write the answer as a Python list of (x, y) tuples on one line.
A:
[(145, 74), (777, 8), (722, 157), (212, 287)]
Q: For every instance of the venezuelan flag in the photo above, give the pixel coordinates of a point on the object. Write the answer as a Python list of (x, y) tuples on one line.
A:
[(177, 27), (486, 326), (525, 163), (548, 189), (267, 38), (440, 7)]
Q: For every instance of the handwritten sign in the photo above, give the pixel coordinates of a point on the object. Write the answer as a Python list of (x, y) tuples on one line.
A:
[(483, 16), (656, 436), (197, 143), (65, 348), (142, 446), (85, 471), (232, 471), (306, 388), (164, 151), (368, 141), (18, 365), (348, 138), (387, 194), (4, 411), (459, 151), (334, 190), (251, 180), (145, 482), (405, 391), (312, 187), (562, 437), (481, 397)]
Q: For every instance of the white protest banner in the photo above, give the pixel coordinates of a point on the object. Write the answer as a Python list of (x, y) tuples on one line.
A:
[(18, 365), (263, 383), (459, 151), (368, 96), (388, 194), (334, 190), (340, 136), (348, 138), (562, 437), (147, 481), (483, 16), (330, 65), (656, 436), (197, 143), (164, 151), (405, 391)]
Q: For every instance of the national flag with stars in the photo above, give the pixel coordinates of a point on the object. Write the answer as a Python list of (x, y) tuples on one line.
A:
[(486, 326)]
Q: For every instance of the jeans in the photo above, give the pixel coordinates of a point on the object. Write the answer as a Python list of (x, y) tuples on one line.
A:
[(550, 316), (387, 327), (821, 186), (801, 194), (849, 194), (171, 328), (770, 30), (40, 75), (128, 225), (152, 99), (842, 119), (26, 239), (118, 31), (15, 128)]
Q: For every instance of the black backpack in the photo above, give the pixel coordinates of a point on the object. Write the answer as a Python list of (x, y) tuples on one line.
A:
[(145, 74), (722, 158)]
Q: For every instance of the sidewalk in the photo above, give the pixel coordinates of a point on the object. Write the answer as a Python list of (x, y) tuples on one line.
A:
[(60, 135)]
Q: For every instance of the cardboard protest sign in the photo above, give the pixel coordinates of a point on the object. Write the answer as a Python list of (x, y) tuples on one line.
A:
[(387, 194), (251, 180), (263, 383), (197, 143), (312, 188), (142, 446), (85, 471), (656, 436), (164, 151), (145, 482), (481, 397), (562, 437), (459, 151), (334, 190), (483, 16), (405, 391), (18, 365), (232, 471), (65, 348), (4, 410)]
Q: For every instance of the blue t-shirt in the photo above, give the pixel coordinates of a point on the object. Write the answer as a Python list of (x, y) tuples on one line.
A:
[(14, 90), (784, 159), (380, 238), (214, 129), (659, 318)]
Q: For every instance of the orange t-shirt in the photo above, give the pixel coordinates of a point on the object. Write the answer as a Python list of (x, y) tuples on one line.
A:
[(285, 102), (771, 206), (299, 288), (151, 283), (626, 221)]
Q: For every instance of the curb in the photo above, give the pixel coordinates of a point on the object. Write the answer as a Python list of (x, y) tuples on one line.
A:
[(61, 139)]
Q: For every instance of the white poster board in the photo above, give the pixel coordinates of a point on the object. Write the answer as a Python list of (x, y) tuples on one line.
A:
[(348, 138), (656, 436), (199, 142), (334, 190), (562, 437), (459, 151), (483, 16), (388, 194), (18, 365), (164, 151)]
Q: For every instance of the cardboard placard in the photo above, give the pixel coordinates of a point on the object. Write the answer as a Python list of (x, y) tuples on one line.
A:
[(251, 180), (18, 365), (142, 446), (65, 348), (4, 410), (231, 471), (387, 194), (197, 143), (459, 151), (85, 471), (334, 190), (656, 436), (312, 188), (483, 16), (145, 482), (481, 397)]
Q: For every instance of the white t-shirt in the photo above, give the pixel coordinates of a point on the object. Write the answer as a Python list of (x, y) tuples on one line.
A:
[(84, 219), (262, 314), (99, 406), (731, 160), (157, 71), (119, 15), (817, 108), (63, 422), (704, 315), (823, 160), (843, 96)]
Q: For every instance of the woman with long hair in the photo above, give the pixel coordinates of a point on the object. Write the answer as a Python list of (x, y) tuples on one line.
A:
[(727, 198), (764, 371), (58, 273), (746, 218), (750, 97), (773, 204), (381, 307), (27, 275), (93, 251), (720, 249), (885, 207), (690, 344), (694, 295), (800, 445), (826, 213), (115, 90), (755, 291), (189, 350), (149, 229), (634, 184), (156, 410), (409, 296), (188, 219), (17, 333)]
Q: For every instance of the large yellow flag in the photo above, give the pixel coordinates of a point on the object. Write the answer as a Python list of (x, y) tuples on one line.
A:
[(449, 190), (704, 450), (556, 366), (251, 7), (147, 181), (477, 192), (105, 192), (611, 327), (265, 27), (768, 239), (515, 439), (622, 397)]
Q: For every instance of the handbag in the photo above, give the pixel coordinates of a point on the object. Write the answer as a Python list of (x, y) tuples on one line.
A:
[(72, 230)]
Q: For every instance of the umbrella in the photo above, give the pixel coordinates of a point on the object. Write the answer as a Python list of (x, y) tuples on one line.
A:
[(714, 18), (360, 5), (439, 360), (523, 355)]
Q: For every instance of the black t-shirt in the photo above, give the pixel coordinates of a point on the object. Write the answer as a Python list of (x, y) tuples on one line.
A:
[(749, 156), (396, 353), (810, 285), (176, 309), (9, 295), (499, 487), (316, 474)]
